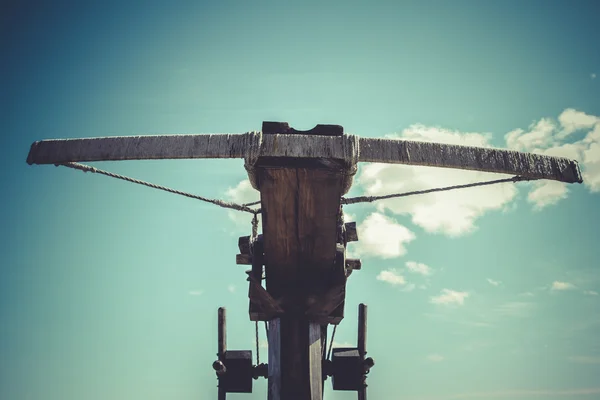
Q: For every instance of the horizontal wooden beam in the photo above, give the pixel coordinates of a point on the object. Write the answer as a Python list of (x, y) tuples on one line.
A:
[(533, 166), (428, 154), (57, 151)]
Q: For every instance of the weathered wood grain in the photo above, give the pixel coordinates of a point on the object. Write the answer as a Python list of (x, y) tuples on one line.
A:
[(393, 151), (274, 364), (300, 209), (243, 259), (315, 361), (300, 216), (58, 151), (362, 343), (221, 345), (351, 232), (469, 158), (260, 298)]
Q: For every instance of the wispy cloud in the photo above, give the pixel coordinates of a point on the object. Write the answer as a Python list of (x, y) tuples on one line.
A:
[(558, 285), (435, 358), (231, 288), (527, 294), (195, 292), (590, 292), (418, 268), (450, 297), (593, 75), (493, 282), (476, 345), (392, 277), (458, 320), (514, 309)]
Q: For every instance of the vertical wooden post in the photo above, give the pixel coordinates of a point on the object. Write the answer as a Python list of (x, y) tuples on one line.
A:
[(362, 344), (222, 345), (315, 352), (295, 355), (274, 360), (324, 345), (300, 209), (362, 329)]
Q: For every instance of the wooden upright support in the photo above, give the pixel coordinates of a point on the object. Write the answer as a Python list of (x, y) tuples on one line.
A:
[(301, 227), (222, 346), (295, 360), (362, 344)]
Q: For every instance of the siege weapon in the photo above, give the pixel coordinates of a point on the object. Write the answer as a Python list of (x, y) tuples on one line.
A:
[(301, 176)]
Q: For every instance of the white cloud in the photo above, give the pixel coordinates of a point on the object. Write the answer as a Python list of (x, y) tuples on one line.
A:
[(591, 161), (242, 193), (546, 193), (557, 285), (418, 268), (590, 292), (593, 75), (572, 120), (539, 135), (409, 287), (435, 357), (452, 213), (493, 282), (195, 292), (383, 237), (392, 277), (231, 288), (549, 138), (527, 294), (449, 297)]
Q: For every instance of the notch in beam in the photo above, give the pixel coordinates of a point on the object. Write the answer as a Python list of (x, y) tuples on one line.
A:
[(272, 128)]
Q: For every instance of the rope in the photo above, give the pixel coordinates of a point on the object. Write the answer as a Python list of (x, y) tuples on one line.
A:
[(220, 203), (351, 150), (254, 227), (352, 154), (252, 149), (331, 344), (370, 199)]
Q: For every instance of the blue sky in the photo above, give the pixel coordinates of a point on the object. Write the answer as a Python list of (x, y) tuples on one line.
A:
[(110, 290)]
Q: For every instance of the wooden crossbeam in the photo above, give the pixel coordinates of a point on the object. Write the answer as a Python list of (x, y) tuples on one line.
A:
[(534, 166)]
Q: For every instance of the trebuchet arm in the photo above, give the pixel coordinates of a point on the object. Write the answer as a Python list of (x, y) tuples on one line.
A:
[(347, 147)]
